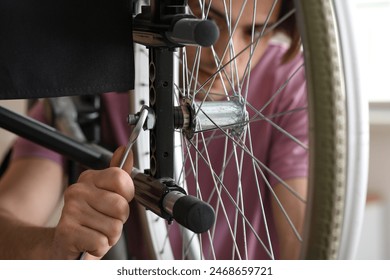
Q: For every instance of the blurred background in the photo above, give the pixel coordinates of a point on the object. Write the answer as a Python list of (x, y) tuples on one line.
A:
[(372, 21)]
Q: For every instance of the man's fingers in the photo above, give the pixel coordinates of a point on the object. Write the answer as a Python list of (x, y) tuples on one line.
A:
[(110, 204), (111, 179), (108, 226), (117, 158), (96, 207), (71, 239), (91, 241)]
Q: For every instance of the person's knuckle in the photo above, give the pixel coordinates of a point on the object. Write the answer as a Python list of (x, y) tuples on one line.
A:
[(116, 203), (121, 182), (122, 178), (74, 191), (86, 175), (101, 242), (98, 251), (116, 231), (65, 225), (120, 207), (69, 200), (124, 210)]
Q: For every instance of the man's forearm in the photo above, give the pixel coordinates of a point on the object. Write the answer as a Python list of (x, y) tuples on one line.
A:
[(19, 240)]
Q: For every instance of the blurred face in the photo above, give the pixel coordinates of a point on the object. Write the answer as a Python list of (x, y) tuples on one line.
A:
[(241, 29)]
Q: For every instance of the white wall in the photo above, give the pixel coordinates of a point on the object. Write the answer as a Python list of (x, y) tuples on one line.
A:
[(372, 24), (372, 29), (375, 239)]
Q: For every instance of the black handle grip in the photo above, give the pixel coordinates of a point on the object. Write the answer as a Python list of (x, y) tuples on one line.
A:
[(193, 214), (166, 199), (190, 31)]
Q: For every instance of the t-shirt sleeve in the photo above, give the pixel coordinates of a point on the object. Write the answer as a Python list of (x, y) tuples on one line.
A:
[(289, 153), (24, 148)]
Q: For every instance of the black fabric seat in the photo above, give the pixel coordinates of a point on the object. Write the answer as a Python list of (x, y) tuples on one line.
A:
[(65, 47)]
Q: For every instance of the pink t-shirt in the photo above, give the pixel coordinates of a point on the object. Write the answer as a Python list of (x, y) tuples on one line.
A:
[(278, 152)]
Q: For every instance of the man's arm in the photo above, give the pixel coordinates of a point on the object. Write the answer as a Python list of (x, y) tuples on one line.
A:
[(29, 192), (95, 209), (290, 246)]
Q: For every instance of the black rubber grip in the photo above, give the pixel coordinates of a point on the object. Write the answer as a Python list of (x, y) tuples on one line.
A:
[(195, 32), (193, 214)]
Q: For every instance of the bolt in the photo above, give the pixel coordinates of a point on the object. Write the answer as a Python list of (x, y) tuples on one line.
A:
[(132, 119)]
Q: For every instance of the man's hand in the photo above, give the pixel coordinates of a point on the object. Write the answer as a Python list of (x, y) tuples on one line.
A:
[(95, 209)]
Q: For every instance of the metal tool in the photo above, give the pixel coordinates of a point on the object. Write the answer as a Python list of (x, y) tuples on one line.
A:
[(133, 137)]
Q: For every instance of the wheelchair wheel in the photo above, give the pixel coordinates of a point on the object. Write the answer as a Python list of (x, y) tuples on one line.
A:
[(279, 171)]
